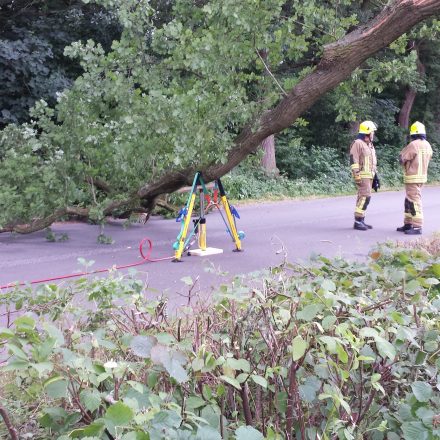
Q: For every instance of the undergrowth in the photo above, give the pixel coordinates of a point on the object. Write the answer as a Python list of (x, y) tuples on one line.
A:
[(335, 350)]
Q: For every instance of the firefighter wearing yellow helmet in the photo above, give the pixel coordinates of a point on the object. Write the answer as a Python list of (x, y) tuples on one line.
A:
[(415, 159), (363, 167)]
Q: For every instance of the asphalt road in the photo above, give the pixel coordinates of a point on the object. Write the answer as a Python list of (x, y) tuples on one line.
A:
[(293, 228)]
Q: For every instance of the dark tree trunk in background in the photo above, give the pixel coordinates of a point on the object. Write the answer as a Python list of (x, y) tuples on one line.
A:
[(353, 128), (268, 161), (411, 93)]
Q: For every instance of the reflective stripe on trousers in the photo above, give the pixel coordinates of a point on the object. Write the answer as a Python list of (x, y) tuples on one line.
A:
[(363, 198), (413, 204)]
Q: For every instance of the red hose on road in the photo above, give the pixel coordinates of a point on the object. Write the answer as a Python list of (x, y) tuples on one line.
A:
[(146, 258)]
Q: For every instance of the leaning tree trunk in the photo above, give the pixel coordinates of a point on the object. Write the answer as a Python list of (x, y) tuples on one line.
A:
[(411, 93)]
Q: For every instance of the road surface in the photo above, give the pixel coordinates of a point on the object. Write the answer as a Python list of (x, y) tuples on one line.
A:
[(295, 228)]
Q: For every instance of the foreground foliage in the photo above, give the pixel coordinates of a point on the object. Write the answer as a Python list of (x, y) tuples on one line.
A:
[(333, 350)]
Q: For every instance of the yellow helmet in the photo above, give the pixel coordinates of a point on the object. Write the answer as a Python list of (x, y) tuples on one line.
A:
[(417, 128), (367, 127)]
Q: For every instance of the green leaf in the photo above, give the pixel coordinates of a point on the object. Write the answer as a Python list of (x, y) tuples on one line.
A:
[(136, 435), (396, 276), (119, 414), (142, 345), (231, 381), (414, 431), (171, 360), (242, 377), (239, 364), (436, 269), (430, 346), (55, 333), (328, 322), (207, 392), (260, 380), (194, 402), (342, 354), (299, 347), (385, 348), (42, 367), (6, 333), (368, 332), (422, 391), (91, 399), (328, 285), (432, 281), (412, 286), (248, 433), (426, 415), (94, 430), (309, 389), (330, 342), (375, 377), (207, 433), (56, 387), (24, 323), (197, 364), (309, 312), (17, 352)]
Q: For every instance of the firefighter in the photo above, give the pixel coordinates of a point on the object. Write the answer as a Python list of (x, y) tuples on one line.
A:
[(363, 167), (415, 159)]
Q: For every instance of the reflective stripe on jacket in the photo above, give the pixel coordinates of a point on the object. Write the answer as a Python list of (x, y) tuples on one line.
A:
[(362, 159), (415, 159)]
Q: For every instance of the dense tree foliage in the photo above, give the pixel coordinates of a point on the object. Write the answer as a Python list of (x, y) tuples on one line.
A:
[(33, 36), (198, 85)]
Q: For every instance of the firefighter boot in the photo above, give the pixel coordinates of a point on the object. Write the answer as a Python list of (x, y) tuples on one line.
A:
[(368, 226), (359, 224), (404, 228), (414, 231)]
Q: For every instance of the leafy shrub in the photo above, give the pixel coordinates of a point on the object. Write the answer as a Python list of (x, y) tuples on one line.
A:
[(334, 350)]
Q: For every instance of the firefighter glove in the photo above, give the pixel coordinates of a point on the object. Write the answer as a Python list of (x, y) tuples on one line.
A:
[(376, 182)]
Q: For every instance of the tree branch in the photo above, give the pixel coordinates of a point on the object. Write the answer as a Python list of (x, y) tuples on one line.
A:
[(11, 429)]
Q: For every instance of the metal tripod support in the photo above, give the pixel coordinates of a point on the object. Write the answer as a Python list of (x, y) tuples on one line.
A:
[(185, 214)]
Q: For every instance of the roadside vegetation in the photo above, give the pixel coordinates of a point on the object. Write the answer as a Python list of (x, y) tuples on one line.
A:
[(334, 350)]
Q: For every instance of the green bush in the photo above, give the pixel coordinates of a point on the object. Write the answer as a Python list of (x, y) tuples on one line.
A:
[(335, 350)]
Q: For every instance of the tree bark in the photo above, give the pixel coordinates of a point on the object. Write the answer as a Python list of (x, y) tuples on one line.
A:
[(11, 428), (410, 94), (268, 161)]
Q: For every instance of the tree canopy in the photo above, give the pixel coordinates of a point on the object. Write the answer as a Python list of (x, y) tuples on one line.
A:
[(194, 86)]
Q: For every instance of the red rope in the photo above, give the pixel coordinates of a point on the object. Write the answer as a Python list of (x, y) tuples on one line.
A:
[(146, 258)]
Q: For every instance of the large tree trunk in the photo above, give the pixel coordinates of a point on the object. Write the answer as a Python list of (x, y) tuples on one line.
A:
[(339, 60), (410, 94)]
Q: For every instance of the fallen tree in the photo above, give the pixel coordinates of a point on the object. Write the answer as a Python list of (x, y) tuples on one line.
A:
[(337, 61)]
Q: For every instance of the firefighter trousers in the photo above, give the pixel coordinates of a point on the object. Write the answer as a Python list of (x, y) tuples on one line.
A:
[(413, 205), (363, 198)]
